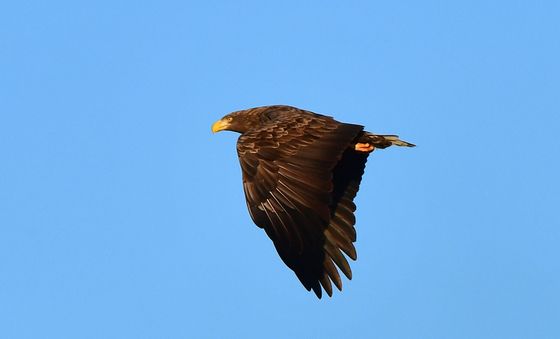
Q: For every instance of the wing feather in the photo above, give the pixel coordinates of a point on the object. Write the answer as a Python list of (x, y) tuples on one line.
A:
[(296, 191)]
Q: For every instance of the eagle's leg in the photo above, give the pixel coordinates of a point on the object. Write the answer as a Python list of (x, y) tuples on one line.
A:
[(364, 147)]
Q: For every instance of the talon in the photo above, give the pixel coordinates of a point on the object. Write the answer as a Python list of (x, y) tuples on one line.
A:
[(364, 147)]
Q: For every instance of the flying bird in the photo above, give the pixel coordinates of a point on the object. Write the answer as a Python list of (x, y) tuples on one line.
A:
[(301, 172)]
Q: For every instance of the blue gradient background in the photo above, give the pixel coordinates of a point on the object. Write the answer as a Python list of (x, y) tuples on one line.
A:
[(122, 216)]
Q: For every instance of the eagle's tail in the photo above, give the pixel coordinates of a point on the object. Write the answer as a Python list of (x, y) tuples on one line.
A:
[(384, 140), (394, 140)]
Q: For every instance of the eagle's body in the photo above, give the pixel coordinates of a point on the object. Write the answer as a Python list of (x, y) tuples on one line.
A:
[(301, 172)]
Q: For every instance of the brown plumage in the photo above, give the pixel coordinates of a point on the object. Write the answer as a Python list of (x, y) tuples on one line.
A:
[(301, 172)]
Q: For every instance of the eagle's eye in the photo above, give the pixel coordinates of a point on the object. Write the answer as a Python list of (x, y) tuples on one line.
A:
[(229, 119)]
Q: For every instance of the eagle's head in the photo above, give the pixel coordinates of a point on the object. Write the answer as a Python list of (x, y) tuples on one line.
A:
[(246, 120)]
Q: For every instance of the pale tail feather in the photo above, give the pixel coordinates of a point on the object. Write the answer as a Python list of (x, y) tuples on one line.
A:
[(385, 140), (394, 139)]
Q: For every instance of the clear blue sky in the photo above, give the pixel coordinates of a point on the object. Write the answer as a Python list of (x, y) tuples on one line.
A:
[(122, 216)]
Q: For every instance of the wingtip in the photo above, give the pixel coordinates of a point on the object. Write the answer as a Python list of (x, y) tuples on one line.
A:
[(318, 291)]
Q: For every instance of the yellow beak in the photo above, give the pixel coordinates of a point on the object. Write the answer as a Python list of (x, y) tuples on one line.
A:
[(219, 125)]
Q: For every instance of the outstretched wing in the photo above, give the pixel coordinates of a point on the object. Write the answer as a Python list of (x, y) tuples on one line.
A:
[(288, 167)]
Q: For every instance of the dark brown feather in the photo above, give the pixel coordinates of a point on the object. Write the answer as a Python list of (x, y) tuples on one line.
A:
[(300, 178)]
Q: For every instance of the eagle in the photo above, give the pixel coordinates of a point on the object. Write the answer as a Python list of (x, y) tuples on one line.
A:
[(301, 172)]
